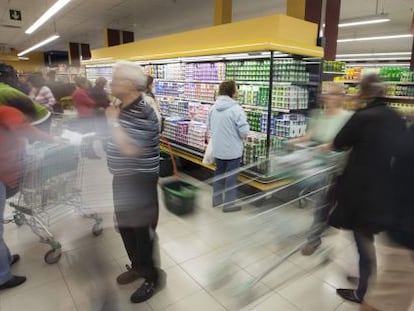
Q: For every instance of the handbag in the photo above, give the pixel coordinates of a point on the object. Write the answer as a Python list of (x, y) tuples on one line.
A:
[(208, 157)]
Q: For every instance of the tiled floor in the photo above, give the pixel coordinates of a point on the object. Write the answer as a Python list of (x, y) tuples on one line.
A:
[(206, 255)]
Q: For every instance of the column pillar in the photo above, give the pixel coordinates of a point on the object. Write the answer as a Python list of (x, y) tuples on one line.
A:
[(223, 10), (333, 9), (412, 48)]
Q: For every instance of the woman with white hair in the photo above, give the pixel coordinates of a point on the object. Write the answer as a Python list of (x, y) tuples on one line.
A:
[(133, 159)]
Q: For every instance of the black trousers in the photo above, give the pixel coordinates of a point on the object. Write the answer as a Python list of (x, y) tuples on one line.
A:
[(136, 210)]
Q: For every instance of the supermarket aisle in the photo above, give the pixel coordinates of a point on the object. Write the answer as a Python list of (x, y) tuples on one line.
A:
[(191, 247)]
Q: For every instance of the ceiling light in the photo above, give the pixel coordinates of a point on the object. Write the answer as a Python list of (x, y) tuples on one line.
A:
[(374, 54), (365, 20), (24, 58), (47, 15), (375, 38), (38, 45), (370, 59), (379, 65)]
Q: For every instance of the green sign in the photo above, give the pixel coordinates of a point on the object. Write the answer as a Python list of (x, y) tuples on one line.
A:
[(15, 15)]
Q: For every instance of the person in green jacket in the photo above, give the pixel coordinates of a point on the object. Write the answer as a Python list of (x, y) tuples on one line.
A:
[(10, 94)]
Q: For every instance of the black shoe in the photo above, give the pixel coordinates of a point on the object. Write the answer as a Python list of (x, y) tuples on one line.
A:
[(143, 293), (13, 282), (15, 259), (149, 288), (349, 294)]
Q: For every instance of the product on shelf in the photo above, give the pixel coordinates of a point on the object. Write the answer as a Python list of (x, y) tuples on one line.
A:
[(407, 76), (255, 147), (334, 66), (200, 91), (253, 95), (290, 97), (205, 71), (253, 70), (400, 90), (404, 109), (290, 70), (169, 88), (290, 125), (197, 135), (393, 73)]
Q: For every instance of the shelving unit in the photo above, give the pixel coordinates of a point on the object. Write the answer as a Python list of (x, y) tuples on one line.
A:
[(187, 74)]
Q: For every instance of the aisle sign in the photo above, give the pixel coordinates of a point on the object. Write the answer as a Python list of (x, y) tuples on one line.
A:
[(15, 15)]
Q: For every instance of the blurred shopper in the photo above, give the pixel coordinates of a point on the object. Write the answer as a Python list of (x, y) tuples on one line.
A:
[(153, 100), (101, 98), (11, 94), (15, 129), (58, 90), (40, 92), (393, 289), (85, 106), (133, 159), (24, 84), (364, 194), (228, 125), (324, 125)]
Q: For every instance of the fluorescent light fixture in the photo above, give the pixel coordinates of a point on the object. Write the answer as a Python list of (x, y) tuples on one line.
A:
[(47, 15), (379, 65), (375, 38), (370, 59), (376, 19), (374, 54), (24, 58), (38, 45)]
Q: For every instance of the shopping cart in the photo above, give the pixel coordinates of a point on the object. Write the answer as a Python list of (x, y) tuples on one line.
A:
[(50, 190), (275, 225)]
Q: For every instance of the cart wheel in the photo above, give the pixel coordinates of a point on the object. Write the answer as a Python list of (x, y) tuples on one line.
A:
[(302, 202), (97, 230), (53, 256), (19, 219)]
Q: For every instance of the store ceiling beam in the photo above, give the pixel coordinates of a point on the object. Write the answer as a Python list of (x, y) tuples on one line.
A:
[(223, 11)]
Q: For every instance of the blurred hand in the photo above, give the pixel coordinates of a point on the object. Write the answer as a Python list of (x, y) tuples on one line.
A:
[(112, 112), (326, 147)]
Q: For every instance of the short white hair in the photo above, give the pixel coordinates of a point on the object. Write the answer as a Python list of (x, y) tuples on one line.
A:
[(131, 71)]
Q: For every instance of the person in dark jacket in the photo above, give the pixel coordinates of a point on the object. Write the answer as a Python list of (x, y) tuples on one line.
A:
[(364, 197), (393, 289)]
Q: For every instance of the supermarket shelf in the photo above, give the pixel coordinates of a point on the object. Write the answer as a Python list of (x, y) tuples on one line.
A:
[(400, 98), (250, 179), (215, 82), (385, 82), (393, 98), (188, 99), (334, 73), (273, 109)]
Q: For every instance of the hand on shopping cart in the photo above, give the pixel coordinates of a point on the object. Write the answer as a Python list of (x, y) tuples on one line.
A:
[(326, 147)]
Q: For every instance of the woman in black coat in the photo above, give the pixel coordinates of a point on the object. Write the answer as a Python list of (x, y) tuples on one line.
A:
[(364, 196)]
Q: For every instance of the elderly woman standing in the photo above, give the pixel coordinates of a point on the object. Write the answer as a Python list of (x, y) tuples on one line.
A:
[(133, 159)]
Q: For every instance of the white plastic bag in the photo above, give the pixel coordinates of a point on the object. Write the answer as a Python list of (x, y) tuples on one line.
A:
[(208, 155)]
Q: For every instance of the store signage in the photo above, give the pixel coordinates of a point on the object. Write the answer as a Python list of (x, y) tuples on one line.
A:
[(15, 15)]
